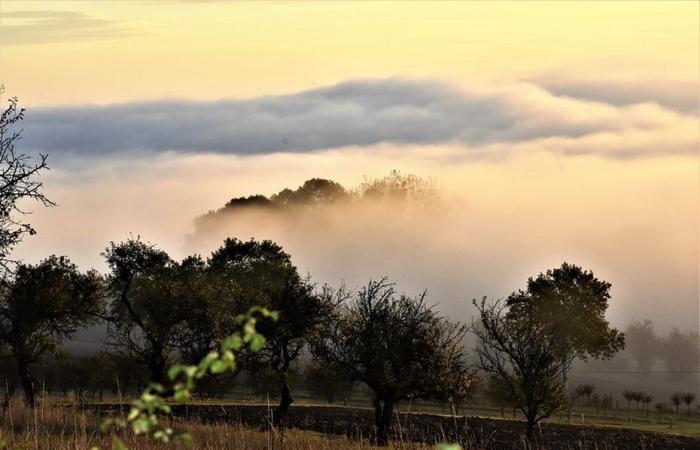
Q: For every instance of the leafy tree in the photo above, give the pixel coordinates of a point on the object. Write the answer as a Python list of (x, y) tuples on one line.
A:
[(629, 396), (531, 340), (261, 273), (151, 298), (39, 307), (18, 181), (646, 399), (314, 192), (584, 391), (680, 352), (570, 302), (642, 344), (399, 346), (498, 394), (676, 399), (688, 399)]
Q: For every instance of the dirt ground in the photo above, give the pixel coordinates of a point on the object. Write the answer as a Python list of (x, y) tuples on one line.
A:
[(471, 432)]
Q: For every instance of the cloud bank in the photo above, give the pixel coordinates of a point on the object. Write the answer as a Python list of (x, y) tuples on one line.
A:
[(362, 113)]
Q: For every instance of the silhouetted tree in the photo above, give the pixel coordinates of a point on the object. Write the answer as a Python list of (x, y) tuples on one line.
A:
[(688, 399), (39, 307), (584, 391), (397, 186), (646, 399), (314, 192), (399, 346), (151, 299), (676, 399), (18, 181), (642, 344), (498, 394), (629, 396), (680, 352), (531, 339), (261, 273)]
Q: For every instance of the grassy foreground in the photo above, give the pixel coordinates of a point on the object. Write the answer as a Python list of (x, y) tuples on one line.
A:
[(70, 428)]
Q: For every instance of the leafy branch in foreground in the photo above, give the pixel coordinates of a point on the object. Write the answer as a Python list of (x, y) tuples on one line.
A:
[(182, 379)]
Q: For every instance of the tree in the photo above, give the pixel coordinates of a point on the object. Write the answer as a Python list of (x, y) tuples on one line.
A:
[(531, 339), (39, 307), (326, 382), (676, 399), (646, 399), (151, 298), (570, 302), (314, 192), (584, 390), (399, 346), (498, 394), (261, 273), (680, 352), (18, 181), (688, 399), (629, 396), (642, 344)]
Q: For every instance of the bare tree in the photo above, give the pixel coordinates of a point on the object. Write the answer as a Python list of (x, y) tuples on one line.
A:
[(525, 360), (399, 346), (18, 180)]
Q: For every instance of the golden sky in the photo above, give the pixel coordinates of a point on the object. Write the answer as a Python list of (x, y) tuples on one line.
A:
[(566, 130), (109, 51)]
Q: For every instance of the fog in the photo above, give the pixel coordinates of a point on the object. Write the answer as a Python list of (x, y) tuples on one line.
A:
[(495, 222), (477, 240)]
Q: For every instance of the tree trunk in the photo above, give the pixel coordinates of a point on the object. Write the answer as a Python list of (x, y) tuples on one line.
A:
[(383, 413), (285, 402), (27, 384), (156, 368), (530, 428)]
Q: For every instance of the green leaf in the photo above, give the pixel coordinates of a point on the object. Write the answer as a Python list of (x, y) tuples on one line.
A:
[(219, 366), (233, 342), (140, 425), (133, 414), (181, 395), (256, 342), (117, 444), (174, 371)]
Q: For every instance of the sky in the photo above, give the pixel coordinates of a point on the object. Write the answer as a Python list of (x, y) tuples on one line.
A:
[(558, 131)]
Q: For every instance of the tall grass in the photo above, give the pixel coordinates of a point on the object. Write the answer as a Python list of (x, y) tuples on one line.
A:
[(72, 427)]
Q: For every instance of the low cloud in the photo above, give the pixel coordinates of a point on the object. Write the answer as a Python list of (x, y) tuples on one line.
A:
[(363, 113), (40, 27), (683, 97)]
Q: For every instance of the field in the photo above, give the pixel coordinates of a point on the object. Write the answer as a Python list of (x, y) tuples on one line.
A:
[(57, 424)]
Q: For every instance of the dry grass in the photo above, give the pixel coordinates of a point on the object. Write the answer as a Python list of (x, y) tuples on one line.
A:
[(64, 428)]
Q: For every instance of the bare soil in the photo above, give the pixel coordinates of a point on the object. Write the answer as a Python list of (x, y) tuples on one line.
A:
[(471, 432)]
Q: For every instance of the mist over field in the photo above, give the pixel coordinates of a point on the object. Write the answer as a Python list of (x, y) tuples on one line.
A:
[(463, 243)]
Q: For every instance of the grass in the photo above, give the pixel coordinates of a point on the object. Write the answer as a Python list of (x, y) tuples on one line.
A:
[(64, 427), (60, 424)]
